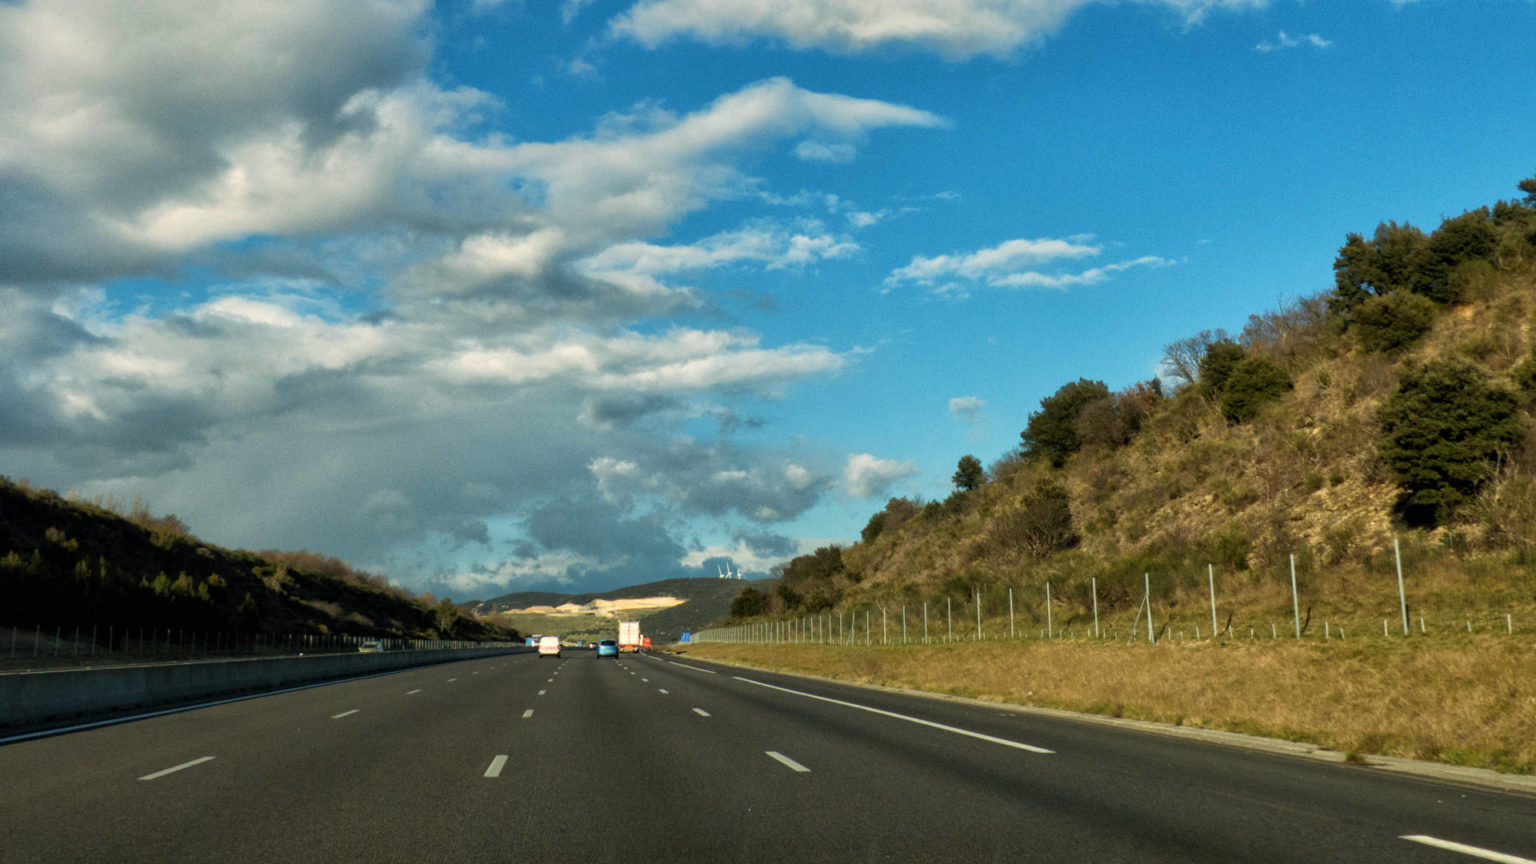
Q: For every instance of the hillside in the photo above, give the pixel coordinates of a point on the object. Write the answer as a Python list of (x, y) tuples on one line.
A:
[(704, 601), (75, 563), (1399, 404)]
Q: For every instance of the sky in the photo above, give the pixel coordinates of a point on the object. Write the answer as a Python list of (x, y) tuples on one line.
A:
[(573, 294)]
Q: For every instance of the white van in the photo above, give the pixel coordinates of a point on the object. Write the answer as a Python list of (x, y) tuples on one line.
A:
[(549, 646)]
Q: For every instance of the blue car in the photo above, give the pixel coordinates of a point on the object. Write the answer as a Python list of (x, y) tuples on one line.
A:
[(608, 648)]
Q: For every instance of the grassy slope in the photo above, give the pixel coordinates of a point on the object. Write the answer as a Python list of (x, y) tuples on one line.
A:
[(75, 563)]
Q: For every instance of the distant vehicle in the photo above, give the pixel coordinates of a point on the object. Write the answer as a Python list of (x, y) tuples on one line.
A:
[(549, 646), (607, 648), (629, 636), (370, 647), (645, 642)]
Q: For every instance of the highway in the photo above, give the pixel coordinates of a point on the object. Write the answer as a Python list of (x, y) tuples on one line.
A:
[(663, 758)]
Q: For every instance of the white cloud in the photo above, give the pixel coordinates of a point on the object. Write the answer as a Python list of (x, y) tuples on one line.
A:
[(1285, 40), (867, 476), (1009, 265), (953, 29), (966, 407)]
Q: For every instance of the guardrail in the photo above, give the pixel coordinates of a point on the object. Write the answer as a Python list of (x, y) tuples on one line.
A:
[(32, 701)]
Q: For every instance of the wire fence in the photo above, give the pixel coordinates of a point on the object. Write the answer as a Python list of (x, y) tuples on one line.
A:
[(57, 647), (1000, 614)]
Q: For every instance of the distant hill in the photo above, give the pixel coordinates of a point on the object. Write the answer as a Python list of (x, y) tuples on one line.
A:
[(707, 599), (65, 562)]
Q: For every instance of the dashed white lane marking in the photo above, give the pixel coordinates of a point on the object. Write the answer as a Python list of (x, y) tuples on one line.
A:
[(413, 692), (174, 768), (528, 713), (474, 673), (1474, 851), (646, 680), (344, 714), (542, 692), (701, 712), (787, 762), (451, 680), (659, 690), (918, 720), (694, 668), (496, 765), (549, 680)]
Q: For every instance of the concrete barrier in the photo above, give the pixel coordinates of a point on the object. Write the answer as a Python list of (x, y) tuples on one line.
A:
[(33, 701)]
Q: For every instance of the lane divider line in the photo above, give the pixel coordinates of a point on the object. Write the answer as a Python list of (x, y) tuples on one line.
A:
[(413, 692), (344, 714), (701, 712), (694, 668), (497, 764), (918, 720), (1474, 851), (542, 692), (174, 768), (659, 690), (451, 680), (788, 762), (528, 713)]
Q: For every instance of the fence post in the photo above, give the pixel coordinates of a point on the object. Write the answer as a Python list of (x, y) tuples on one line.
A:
[(869, 638), (978, 615), (883, 640), (1010, 613), (1295, 604), (1093, 584), (1050, 631), (949, 610), (1402, 598), (925, 622), (1210, 576), (1146, 579), (903, 623)]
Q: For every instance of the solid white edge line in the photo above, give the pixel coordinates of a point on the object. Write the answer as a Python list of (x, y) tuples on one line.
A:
[(174, 768), (1474, 851), (788, 762), (496, 765), (344, 714), (701, 712), (694, 668), (918, 720)]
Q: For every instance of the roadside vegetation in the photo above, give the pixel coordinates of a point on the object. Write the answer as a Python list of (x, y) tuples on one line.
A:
[(67, 562)]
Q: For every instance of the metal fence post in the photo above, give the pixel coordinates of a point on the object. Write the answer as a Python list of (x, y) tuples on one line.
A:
[(1146, 579), (1210, 576), (1093, 586), (1295, 604), (1050, 628), (1010, 613), (949, 609), (1402, 598)]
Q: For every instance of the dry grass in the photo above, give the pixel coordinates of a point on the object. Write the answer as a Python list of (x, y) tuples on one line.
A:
[(1460, 700)]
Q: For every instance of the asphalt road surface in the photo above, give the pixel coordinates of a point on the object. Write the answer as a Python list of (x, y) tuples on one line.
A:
[(666, 759)]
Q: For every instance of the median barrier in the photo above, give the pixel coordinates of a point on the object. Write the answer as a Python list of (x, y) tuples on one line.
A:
[(33, 701)]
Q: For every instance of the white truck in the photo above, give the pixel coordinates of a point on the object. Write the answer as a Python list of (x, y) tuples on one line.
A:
[(629, 636)]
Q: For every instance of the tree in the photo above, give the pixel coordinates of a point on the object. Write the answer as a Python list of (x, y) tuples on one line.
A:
[(1217, 365), (749, 603), (1254, 383), (1392, 323), (1181, 359), (1052, 431), (447, 615), (969, 474), (1441, 432), (1467, 237), (1041, 526), (1528, 186), (1385, 264), (873, 527)]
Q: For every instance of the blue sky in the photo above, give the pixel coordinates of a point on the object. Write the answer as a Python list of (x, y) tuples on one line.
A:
[(491, 296)]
